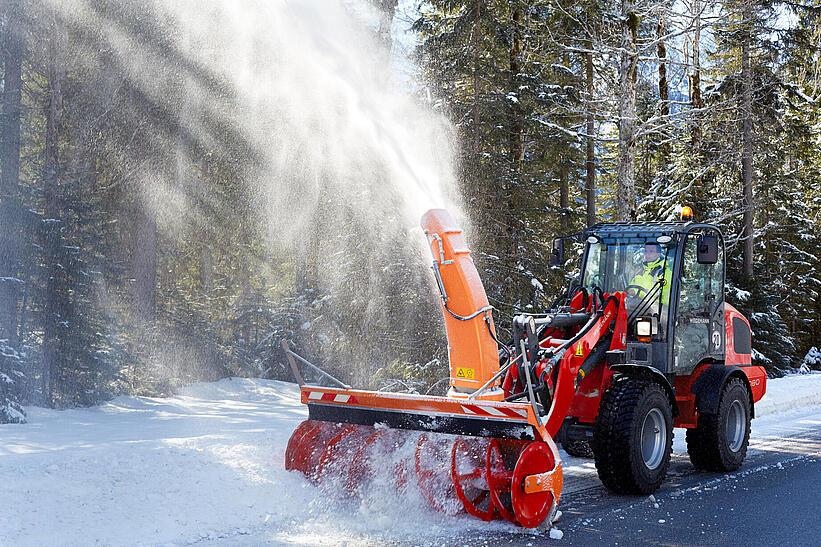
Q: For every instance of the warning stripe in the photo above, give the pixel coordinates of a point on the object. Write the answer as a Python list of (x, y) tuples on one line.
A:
[(331, 397), (501, 412), (478, 410)]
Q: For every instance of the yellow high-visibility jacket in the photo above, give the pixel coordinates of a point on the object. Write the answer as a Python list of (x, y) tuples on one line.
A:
[(651, 273)]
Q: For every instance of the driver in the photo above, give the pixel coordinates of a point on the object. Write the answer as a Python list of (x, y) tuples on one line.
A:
[(653, 269)]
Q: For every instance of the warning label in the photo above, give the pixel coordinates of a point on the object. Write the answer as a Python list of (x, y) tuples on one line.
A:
[(579, 350), (466, 373)]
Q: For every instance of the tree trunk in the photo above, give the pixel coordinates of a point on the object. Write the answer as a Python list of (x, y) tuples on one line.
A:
[(695, 75), (55, 304), (516, 124), (145, 266), (10, 229), (747, 141), (626, 193), (564, 194), (387, 13), (664, 94), (590, 162), (477, 45), (515, 147)]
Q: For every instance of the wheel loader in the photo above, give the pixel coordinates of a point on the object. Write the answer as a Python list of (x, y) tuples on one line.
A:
[(632, 350)]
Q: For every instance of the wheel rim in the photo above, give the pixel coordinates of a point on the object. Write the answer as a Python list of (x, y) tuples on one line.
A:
[(736, 421), (653, 439)]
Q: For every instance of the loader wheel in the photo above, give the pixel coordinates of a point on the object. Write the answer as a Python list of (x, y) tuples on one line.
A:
[(633, 437), (719, 443), (578, 449)]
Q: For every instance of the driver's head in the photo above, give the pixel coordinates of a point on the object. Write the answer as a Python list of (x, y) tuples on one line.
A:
[(651, 252)]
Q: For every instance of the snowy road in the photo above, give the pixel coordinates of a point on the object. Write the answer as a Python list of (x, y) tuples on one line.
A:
[(205, 467)]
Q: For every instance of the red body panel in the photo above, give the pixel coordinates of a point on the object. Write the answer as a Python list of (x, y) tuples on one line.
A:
[(585, 407), (585, 404), (757, 377), (686, 400)]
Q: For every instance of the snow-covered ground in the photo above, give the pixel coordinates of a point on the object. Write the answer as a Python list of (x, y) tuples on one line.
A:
[(207, 465)]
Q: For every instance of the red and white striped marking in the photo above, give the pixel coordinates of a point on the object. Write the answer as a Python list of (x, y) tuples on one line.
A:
[(331, 397), (476, 410), (493, 411)]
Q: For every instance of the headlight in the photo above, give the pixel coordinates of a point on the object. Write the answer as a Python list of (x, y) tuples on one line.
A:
[(644, 327)]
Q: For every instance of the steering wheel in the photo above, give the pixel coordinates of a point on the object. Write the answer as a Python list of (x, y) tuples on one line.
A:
[(638, 289), (595, 280)]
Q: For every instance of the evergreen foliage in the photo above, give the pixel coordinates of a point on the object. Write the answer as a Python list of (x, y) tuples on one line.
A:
[(110, 286)]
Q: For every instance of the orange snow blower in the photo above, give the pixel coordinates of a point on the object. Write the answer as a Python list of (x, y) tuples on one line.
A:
[(616, 364)]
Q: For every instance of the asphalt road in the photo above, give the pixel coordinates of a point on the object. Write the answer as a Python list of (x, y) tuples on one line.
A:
[(773, 499), (772, 503)]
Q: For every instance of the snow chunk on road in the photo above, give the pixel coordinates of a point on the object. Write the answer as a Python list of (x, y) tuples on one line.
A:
[(555, 533)]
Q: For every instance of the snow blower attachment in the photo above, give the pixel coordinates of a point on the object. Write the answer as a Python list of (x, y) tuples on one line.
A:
[(477, 451), (608, 367)]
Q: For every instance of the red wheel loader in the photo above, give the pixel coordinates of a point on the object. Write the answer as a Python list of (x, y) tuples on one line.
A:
[(642, 342)]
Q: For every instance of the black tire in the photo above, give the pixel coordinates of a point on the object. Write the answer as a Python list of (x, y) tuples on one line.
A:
[(617, 439), (717, 444), (578, 449)]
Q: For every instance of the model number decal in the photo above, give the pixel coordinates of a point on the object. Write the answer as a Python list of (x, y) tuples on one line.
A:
[(716, 339)]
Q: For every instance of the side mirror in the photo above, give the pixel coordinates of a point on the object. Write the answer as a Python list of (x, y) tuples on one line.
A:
[(707, 252), (557, 254)]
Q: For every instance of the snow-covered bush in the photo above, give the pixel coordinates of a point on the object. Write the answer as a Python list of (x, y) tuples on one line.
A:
[(11, 378), (812, 361)]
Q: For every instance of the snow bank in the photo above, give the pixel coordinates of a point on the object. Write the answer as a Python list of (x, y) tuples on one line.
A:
[(205, 465), (789, 393)]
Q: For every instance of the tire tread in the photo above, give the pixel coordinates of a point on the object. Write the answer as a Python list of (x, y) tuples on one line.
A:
[(706, 444), (612, 437)]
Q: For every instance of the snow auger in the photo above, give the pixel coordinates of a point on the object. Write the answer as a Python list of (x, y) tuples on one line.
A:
[(642, 342)]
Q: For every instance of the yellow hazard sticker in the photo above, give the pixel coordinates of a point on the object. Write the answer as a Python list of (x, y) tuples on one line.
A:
[(466, 373), (579, 350)]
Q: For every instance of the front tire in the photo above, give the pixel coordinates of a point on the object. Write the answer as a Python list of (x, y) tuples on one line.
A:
[(578, 449), (720, 441), (633, 438)]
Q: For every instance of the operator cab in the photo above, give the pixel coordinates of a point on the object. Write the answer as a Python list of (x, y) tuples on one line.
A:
[(672, 274)]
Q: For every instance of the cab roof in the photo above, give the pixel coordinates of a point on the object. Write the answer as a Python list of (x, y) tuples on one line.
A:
[(641, 231)]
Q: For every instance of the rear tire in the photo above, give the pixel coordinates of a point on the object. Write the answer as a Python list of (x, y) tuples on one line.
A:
[(633, 438), (578, 449), (719, 443)]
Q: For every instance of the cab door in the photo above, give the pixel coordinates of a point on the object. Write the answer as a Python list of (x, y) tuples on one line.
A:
[(699, 315)]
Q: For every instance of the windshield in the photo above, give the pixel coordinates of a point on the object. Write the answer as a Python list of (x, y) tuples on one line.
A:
[(634, 267)]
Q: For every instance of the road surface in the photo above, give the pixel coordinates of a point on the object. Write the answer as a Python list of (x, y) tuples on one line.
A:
[(772, 499)]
